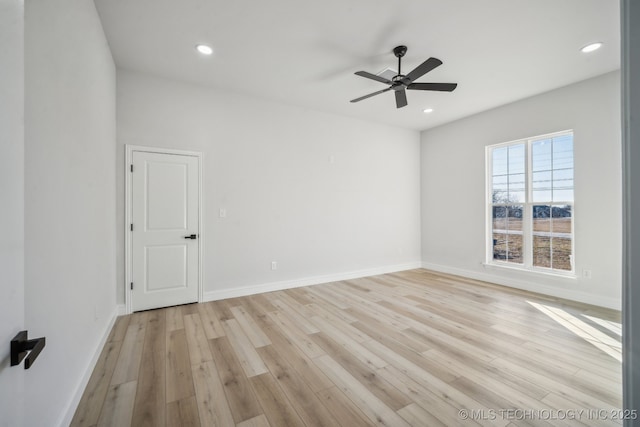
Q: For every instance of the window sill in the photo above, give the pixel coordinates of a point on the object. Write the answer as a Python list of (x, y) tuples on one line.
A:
[(570, 275)]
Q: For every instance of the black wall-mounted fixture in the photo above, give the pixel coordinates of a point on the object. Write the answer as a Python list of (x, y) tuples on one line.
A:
[(20, 346)]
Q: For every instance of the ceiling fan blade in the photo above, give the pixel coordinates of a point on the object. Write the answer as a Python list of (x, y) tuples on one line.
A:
[(373, 77), (442, 87), (370, 95), (401, 98), (424, 68)]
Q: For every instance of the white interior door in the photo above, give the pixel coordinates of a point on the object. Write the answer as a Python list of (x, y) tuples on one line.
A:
[(164, 237)]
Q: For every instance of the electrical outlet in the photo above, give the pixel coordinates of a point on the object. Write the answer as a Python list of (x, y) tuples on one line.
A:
[(223, 213), (274, 265), (586, 274)]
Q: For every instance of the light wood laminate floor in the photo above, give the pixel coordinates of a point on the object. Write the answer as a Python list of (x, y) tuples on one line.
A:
[(414, 348)]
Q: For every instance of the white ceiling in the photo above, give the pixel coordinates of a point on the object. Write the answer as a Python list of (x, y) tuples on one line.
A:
[(304, 52)]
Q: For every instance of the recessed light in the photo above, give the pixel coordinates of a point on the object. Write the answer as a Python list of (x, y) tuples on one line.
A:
[(428, 110), (591, 47), (204, 49)]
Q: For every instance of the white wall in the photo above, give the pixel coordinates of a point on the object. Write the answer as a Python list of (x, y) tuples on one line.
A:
[(69, 198), (269, 165), (12, 206), (453, 192)]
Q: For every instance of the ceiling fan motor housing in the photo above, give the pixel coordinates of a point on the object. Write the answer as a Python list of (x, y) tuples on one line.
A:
[(398, 82)]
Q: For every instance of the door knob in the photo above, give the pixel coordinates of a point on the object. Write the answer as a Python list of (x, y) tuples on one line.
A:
[(192, 236)]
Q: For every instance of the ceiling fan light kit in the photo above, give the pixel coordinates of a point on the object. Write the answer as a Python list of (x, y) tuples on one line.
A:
[(399, 83)]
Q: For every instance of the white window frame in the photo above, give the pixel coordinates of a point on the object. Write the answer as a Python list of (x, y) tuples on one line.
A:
[(527, 216)]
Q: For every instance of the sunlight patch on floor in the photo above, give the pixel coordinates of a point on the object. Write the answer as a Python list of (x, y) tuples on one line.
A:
[(614, 327), (585, 331)]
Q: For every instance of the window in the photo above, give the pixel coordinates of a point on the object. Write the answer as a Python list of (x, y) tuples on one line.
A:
[(530, 203)]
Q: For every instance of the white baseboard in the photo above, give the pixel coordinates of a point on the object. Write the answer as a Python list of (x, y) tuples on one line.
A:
[(79, 390), (524, 285), (306, 281)]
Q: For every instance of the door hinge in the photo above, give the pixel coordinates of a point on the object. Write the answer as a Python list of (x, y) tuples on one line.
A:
[(131, 168), (131, 227), (131, 285)]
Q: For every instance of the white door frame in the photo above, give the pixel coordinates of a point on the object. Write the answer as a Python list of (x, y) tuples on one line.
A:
[(128, 264)]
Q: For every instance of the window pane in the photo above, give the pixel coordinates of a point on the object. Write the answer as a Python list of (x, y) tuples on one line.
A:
[(514, 248), (563, 195), (516, 187), (507, 233), (563, 175), (516, 196), (514, 216), (499, 246), (499, 189), (541, 155), (561, 253), (552, 169), (541, 186), (500, 181), (541, 218), (561, 222), (562, 185), (499, 218), (516, 159), (563, 168), (541, 180), (563, 152), (500, 196), (499, 164), (542, 251), (542, 196)]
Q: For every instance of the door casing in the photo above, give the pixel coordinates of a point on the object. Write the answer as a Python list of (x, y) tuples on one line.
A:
[(128, 264)]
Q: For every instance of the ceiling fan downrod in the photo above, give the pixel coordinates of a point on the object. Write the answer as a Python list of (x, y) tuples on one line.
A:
[(399, 52)]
